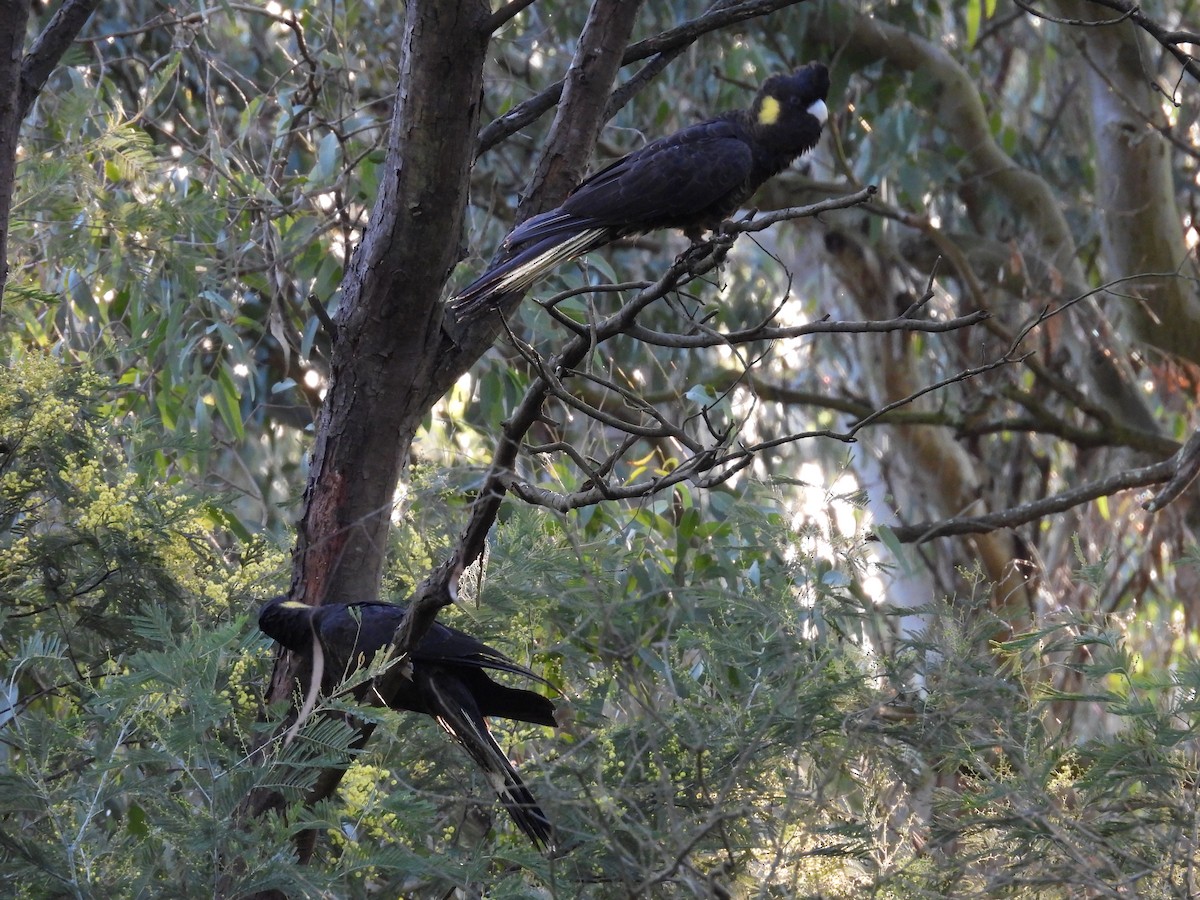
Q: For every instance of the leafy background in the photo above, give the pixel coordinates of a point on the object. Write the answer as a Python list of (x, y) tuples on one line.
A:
[(760, 699)]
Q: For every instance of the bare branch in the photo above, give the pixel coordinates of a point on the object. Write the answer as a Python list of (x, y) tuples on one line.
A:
[(823, 326), (592, 472), (686, 471), (1037, 509), (500, 478), (1187, 467), (1061, 20), (594, 61), (49, 46), (760, 221), (713, 465), (1170, 40), (635, 85), (554, 388), (672, 39), (506, 13), (633, 401), (1010, 356), (707, 466)]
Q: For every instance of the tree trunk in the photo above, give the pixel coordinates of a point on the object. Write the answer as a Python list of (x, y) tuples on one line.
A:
[(392, 357), (389, 324), (14, 16), (1135, 192)]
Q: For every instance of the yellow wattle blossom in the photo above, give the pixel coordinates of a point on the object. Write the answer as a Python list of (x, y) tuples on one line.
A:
[(361, 790), (69, 482)]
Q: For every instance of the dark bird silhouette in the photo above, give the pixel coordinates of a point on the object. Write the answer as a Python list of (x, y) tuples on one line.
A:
[(448, 681), (693, 180)]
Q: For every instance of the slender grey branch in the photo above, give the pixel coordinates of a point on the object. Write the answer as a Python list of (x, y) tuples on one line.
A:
[(1187, 467), (565, 502), (1037, 509), (1061, 20), (1167, 38), (672, 39), (554, 388), (49, 46), (822, 326), (1008, 358), (576, 457), (760, 221)]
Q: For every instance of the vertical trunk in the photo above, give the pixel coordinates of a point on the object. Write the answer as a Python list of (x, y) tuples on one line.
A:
[(392, 357), (389, 324), (1139, 221), (389, 336), (14, 17)]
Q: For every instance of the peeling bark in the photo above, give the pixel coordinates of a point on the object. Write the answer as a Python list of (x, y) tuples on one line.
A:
[(389, 322)]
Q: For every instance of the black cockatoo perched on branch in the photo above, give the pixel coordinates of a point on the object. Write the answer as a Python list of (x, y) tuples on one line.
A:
[(448, 681), (693, 180)]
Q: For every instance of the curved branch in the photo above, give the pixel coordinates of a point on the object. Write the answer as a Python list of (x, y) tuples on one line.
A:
[(49, 46), (1187, 467), (674, 39), (506, 13), (823, 326), (1037, 509), (689, 470), (1170, 40)]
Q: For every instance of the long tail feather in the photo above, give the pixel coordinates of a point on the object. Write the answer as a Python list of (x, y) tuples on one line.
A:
[(520, 270), (470, 730)]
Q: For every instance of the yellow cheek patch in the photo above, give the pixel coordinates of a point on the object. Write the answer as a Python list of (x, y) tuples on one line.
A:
[(769, 113)]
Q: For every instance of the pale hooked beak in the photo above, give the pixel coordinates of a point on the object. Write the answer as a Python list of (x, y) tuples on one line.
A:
[(820, 111)]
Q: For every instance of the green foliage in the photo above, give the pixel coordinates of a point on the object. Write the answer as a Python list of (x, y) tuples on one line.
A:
[(174, 210), (774, 734), (125, 726), (742, 712), (735, 711)]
